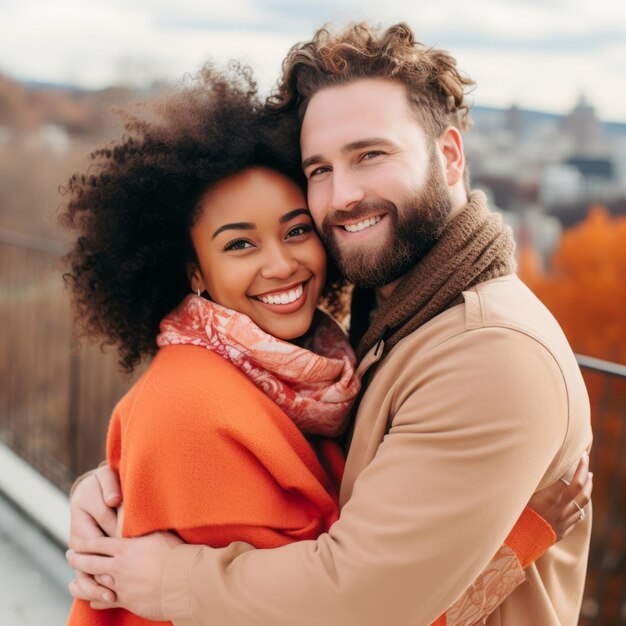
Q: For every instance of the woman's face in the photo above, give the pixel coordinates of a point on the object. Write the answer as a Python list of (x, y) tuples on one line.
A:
[(258, 252)]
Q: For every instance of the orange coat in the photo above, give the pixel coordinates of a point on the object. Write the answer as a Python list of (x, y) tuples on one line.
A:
[(201, 450)]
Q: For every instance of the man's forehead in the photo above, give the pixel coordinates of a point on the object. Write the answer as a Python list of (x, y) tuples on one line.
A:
[(361, 95), (345, 114)]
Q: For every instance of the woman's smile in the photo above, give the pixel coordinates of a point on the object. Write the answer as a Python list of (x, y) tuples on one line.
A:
[(284, 301)]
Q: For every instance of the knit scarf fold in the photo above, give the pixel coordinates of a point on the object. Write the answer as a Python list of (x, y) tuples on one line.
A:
[(475, 247), (315, 385)]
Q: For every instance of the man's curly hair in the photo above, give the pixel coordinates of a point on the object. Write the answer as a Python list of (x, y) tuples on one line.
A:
[(134, 206), (435, 87)]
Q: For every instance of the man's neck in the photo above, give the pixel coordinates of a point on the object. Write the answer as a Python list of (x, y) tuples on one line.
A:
[(382, 293), (459, 198)]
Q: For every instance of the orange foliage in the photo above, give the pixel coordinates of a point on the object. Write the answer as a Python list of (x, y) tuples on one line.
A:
[(585, 287)]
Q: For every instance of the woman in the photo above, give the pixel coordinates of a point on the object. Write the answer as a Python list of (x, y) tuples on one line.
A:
[(218, 439)]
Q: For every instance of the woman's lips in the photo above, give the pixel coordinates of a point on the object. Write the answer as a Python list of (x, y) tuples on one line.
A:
[(285, 301)]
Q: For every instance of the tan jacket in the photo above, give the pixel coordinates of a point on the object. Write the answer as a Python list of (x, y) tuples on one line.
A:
[(460, 423)]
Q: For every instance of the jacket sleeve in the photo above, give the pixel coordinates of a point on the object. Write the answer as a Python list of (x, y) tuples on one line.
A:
[(473, 434)]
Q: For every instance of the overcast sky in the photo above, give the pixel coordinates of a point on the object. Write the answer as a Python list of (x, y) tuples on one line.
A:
[(539, 54)]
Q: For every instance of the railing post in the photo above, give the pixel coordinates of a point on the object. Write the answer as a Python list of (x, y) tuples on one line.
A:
[(73, 418)]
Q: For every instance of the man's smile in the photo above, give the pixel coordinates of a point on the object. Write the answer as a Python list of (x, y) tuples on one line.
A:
[(362, 225)]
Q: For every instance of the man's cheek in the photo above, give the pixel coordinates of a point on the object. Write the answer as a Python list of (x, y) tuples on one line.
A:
[(317, 211)]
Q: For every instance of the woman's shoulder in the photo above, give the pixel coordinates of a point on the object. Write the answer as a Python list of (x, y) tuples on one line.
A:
[(186, 364), (189, 382)]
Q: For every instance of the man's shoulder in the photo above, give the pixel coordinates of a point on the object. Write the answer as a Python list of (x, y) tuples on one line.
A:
[(500, 315), (507, 302), (504, 303)]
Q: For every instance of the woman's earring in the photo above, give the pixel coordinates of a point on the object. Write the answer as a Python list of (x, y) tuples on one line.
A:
[(198, 292)]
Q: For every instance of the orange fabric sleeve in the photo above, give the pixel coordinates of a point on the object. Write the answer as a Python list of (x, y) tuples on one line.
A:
[(530, 538)]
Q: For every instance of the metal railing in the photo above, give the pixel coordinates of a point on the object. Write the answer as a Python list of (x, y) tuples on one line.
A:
[(604, 603), (54, 400)]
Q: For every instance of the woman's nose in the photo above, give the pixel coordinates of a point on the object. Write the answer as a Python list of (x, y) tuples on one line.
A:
[(279, 262)]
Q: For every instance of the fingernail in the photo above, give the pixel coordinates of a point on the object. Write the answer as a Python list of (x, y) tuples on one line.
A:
[(112, 496)]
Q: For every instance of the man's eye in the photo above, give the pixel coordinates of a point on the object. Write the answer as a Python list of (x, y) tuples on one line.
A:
[(237, 244), (371, 154)]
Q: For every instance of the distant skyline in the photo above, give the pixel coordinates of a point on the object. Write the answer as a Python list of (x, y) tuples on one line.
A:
[(538, 54)]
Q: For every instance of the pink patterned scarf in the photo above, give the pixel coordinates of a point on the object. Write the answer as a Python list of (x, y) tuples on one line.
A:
[(315, 385)]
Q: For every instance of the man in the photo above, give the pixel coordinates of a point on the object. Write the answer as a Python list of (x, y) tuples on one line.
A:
[(472, 398)]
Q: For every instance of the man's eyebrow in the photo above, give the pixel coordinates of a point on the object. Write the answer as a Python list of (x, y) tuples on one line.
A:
[(289, 216), (366, 143), (350, 147), (316, 158), (235, 226)]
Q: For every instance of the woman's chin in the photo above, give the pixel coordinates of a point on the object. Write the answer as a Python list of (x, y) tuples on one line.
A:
[(288, 329)]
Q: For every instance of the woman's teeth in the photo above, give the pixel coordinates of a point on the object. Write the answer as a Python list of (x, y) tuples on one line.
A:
[(355, 228), (286, 297)]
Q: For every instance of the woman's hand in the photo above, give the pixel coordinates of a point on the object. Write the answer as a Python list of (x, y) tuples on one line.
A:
[(133, 568), (561, 504), (92, 515)]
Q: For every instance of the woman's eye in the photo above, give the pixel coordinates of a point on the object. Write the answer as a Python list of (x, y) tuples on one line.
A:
[(237, 244), (297, 231), (319, 170)]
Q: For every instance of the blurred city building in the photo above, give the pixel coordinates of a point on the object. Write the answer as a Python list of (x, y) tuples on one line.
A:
[(539, 164)]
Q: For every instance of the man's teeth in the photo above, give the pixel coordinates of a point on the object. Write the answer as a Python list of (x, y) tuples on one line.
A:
[(286, 297), (355, 228)]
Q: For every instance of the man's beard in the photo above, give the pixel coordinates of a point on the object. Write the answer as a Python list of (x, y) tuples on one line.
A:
[(415, 228)]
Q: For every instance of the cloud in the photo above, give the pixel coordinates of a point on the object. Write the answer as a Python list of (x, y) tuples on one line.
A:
[(541, 54)]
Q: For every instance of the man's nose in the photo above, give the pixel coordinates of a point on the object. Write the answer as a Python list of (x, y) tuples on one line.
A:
[(279, 262), (347, 190)]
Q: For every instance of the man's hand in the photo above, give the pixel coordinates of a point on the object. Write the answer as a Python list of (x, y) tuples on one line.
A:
[(92, 515), (132, 568)]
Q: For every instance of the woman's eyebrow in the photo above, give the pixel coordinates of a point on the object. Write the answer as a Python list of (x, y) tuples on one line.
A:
[(289, 216), (250, 226), (235, 226)]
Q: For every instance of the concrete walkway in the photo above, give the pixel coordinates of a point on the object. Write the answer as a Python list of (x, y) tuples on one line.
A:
[(33, 573)]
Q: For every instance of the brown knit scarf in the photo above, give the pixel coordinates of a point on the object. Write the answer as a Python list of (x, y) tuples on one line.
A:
[(475, 247)]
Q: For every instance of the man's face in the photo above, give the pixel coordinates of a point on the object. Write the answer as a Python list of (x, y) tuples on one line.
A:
[(376, 186)]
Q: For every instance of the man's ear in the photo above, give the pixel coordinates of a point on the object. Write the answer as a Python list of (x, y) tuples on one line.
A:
[(451, 147), (195, 278)]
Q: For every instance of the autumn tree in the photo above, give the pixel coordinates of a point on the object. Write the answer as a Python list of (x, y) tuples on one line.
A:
[(585, 285)]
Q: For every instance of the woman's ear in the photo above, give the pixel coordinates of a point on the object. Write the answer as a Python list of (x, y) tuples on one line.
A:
[(196, 282), (451, 148)]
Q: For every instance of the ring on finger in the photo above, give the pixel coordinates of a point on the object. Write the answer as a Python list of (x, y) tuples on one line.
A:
[(581, 511)]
